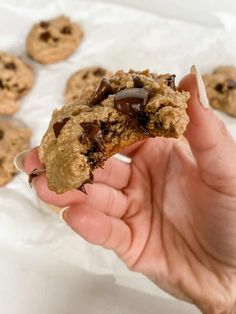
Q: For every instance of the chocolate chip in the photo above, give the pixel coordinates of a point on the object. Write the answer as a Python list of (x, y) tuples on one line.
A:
[(82, 189), (45, 36), (83, 139), (219, 88), (137, 82), (231, 84), (102, 92), (35, 173), (22, 90), (99, 72), (85, 76), (66, 30), (10, 66), (1, 134), (55, 39), (131, 101), (1, 84), (140, 123), (94, 133), (57, 127), (44, 24), (171, 81), (105, 127)]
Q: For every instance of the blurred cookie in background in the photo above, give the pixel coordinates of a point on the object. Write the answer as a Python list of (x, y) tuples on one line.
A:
[(221, 89), (53, 40), (14, 138), (16, 79), (86, 77)]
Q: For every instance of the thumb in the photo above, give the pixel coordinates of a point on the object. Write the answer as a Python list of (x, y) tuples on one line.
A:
[(210, 142)]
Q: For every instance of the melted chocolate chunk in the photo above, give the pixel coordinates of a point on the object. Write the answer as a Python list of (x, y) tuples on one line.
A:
[(44, 24), (105, 127), (94, 133), (219, 88), (231, 84), (102, 92), (45, 36), (55, 39), (137, 82), (66, 30), (1, 134), (1, 84), (83, 139), (35, 173), (10, 66), (131, 101), (171, 81), (99, 72), (57, 127), (139, 123)]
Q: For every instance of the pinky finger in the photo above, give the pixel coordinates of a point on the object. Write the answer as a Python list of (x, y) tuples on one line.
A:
[(98, 228)]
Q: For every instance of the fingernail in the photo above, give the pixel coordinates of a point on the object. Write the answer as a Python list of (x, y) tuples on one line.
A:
[(62, 213), (19, 160), (201, 87)]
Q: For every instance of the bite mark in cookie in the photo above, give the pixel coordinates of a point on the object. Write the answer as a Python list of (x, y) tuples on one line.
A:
[(122, 110)]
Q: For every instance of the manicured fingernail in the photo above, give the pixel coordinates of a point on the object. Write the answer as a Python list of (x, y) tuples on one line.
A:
[(62, 213), (19, 160), (201, 87)]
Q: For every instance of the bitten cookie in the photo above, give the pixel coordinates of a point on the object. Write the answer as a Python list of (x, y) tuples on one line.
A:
[(122, 110), (14, 138), (16, 78), (86, 77), (221, 89), (54, 40)]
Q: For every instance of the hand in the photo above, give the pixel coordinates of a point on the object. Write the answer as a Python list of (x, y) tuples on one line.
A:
[(170, 214)]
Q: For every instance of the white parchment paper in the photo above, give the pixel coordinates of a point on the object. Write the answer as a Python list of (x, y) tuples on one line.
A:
[(115, 38)]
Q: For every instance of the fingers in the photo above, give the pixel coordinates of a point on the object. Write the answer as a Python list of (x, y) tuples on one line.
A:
[(98, 228), (131, 150), (107, 199), (115, 172), (209, 140)]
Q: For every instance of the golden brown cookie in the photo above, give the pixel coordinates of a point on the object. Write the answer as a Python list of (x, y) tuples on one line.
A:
[(127, 108), (221, 89), (16, 78), (86, 77), (53, 40), (14, 138)]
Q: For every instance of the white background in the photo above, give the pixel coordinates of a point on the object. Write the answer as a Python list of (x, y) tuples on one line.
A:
[(189, 10)]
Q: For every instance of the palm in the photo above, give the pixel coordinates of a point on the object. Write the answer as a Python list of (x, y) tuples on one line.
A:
[(169, 222)]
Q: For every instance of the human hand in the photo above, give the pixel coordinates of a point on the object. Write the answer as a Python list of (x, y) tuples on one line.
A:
[(170, 214)]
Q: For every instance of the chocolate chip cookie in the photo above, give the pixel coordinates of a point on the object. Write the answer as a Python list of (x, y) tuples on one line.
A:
[(122, 110), (14, 138), (86, 77), (16, 78), (54, 40), (221, 89)]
